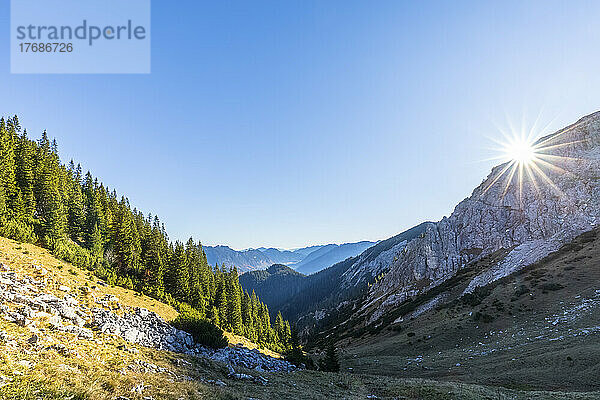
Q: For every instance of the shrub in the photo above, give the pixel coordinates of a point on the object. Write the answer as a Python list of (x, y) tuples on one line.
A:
[(477, 296), (19, 231), (203, 331), (297, 357), (520, 291), (483, 317)]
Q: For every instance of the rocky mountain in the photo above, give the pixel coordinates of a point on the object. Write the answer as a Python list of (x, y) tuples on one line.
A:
[(538, 325), (329, 255), (251, 259), (306, 259), (525, 214), (531, 213)]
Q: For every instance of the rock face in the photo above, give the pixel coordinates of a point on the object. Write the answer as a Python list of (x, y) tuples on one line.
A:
[(529, 212)]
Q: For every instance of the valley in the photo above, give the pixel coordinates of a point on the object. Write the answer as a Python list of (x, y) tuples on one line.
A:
[(60, 365), (498, 300)]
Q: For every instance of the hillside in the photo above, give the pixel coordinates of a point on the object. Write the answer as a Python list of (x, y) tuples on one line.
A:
[(80, 220), (275, 285), (536, 328), (522, 216), (41, 360)]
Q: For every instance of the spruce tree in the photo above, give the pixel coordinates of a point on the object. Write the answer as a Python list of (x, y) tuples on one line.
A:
[(330, 362)]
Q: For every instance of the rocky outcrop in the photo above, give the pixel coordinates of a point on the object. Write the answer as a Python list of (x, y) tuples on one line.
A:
[(146, 328), (24, 301), (530, 213)]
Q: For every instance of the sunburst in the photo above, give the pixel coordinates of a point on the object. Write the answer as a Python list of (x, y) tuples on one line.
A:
[(528, 158)]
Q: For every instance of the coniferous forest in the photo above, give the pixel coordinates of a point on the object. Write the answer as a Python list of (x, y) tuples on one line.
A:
[(79, 219)]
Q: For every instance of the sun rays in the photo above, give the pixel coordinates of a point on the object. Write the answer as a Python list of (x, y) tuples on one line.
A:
[(529, 159)]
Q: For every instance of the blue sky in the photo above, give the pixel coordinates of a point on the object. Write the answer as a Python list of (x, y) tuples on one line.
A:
[(294, 123)]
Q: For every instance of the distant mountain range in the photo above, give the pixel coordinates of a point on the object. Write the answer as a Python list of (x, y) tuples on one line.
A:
[(329, 255), (298, 295), (306, 260)]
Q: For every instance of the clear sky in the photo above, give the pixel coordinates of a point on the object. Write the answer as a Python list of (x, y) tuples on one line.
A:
[(290, 123)]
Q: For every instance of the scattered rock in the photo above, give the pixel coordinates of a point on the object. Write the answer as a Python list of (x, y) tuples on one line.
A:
[(60, 349), (33, 340), (139, 389)]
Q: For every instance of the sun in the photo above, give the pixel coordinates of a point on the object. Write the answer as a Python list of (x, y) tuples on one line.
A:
[(521, 151), (528, 157)]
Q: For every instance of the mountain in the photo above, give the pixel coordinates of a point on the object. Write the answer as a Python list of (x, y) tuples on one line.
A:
[(301, 296), (329, 255), (251, 259), (518, 217), (310, 259), (305, 251), (530, 326)]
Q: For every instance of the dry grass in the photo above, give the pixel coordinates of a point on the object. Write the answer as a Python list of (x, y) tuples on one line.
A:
[(22, 257)]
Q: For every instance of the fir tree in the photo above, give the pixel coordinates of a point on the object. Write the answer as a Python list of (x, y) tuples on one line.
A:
[(330, 362)]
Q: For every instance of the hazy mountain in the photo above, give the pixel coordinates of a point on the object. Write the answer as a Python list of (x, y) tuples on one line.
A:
[(311, 258), (243, 260), (305, 251), (330, 254)]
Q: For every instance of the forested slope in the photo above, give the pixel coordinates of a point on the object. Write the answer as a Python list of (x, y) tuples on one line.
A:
[(82, 221)]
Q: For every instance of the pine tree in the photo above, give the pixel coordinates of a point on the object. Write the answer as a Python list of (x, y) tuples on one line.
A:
[(25, 173), (234, 311), (8, 137), (178, 278), (76, 215), (330, 362)]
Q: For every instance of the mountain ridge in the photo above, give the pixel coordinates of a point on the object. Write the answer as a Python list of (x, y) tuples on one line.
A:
[(310, 259), (525, 217)]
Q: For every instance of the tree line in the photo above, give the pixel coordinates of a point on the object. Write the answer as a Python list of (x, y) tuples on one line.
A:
[(82, 221)]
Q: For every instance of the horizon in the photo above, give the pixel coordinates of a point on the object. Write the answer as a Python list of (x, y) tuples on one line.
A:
[(292, 125)]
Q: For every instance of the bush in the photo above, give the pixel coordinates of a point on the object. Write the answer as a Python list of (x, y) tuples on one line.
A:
[(478, 295), (203, 331), (20, 232), (483, 317), (297, 357)]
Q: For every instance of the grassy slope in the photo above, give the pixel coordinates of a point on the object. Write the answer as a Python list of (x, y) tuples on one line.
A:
[(513, 342), (95, 369)]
